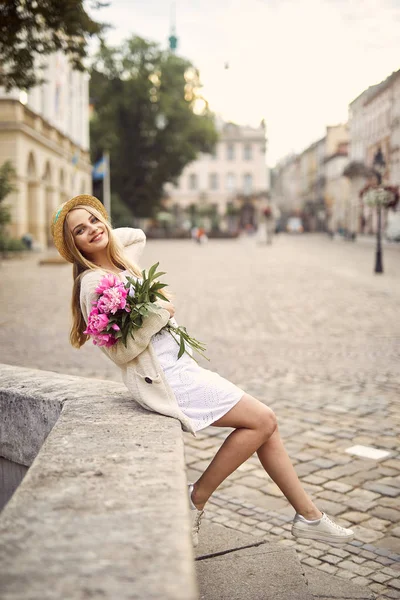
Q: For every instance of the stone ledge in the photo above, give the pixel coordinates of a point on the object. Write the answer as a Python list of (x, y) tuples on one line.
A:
[(102, 512)]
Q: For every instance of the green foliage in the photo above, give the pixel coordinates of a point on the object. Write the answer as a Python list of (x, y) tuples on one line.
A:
[(32, 28), (11, 245), (150, 115), (7, 175), (121, 215)]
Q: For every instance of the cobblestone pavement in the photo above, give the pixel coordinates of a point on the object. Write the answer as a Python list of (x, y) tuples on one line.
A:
[(305, 326)]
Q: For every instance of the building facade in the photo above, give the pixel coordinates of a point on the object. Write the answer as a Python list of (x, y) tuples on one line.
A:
[(374, 122), (300, 182), (45, 134), (235, 173)]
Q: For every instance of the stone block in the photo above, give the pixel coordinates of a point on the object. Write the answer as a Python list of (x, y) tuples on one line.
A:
[(390, 542), (88, 508), (355, 568), (355, 517), (395, 583), (367, 535), (385, 513), (337, 486), (384, 490), (378, 524)]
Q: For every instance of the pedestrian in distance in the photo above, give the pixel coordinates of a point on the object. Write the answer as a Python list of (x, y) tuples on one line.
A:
[(178, 387)]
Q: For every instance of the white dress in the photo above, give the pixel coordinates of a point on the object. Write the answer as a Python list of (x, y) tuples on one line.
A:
[(202, 395)]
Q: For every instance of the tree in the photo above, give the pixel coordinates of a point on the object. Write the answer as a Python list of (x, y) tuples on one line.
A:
[(7, 174), (150, 116), (33, 28)]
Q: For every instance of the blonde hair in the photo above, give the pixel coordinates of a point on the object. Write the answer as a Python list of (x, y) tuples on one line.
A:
[(81, 264)]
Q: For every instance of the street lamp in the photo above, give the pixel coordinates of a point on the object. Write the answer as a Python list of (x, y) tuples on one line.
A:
[(379, 166)]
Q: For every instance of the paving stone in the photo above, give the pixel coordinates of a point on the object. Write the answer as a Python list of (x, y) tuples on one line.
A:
[(331, 508), (304, 456), (324, 463), (390, 571), (378, 524), (339, 552), (314, 552), (367, 554), (345, 574), (358, 569), (337, 486), (380, 577), (391, 481), (331, 559), (245, 512), (377, 587), (394, 583), (384, 560), (391, 543), (355, 516), (392, 462), (367, 535), (358, 559), (395, 532), (328, 568), (384, 490), (391, 593), (333, 496), (312, 562), (305, 469), (253, 482), (361, 581), (313, 479), (385, 513)]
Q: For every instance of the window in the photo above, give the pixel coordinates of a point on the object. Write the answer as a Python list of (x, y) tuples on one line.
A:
[(193, 181), (230, 182), (247, 152), (213, 181), (247, 183), (230, 152)]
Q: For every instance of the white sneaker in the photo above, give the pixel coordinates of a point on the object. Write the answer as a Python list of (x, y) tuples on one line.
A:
[(323, 530), (196, 517)]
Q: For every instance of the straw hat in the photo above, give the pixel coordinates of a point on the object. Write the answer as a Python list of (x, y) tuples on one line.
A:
[(57, 221)]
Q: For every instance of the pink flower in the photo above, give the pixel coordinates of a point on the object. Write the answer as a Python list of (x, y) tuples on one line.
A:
[(112, 299), (108, 281), (105, 339), (97, 322)]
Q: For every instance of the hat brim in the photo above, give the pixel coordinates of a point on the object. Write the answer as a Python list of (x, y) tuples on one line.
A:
[(57, 222)]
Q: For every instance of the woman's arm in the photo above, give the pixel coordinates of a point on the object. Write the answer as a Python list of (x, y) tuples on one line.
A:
[(133, 241), (152, 324)]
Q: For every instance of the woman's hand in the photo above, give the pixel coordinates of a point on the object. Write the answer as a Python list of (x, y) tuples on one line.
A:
[(167, 305)]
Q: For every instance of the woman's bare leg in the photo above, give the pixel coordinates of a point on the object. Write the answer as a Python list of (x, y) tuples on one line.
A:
[(255, 431)]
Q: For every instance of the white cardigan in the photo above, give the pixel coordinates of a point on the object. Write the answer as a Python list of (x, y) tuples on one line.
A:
[(141, 370)]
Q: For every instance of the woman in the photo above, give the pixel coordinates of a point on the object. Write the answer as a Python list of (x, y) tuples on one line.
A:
[(178, 388)]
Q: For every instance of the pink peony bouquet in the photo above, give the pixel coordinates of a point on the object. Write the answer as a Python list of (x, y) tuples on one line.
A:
[(120, 309)]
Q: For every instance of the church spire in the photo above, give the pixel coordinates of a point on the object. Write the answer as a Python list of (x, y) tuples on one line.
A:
[(173, 40)]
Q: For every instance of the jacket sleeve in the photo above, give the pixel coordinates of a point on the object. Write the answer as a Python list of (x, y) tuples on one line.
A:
[(152, 324), (132, 240)]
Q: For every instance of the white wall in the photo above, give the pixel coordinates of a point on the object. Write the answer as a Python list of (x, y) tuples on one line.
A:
[(63, 100)]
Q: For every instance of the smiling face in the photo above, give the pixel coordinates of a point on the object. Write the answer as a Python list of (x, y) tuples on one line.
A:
[(89, 233)]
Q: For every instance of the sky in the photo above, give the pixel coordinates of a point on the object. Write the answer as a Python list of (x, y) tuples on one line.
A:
[(295, 63)]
